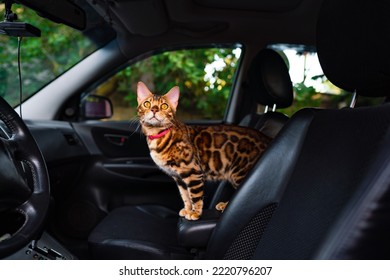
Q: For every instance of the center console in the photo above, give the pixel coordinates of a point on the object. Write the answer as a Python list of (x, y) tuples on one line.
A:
[(46, 248)]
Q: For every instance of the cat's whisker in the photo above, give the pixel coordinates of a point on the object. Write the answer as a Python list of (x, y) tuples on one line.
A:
[(134, 122)]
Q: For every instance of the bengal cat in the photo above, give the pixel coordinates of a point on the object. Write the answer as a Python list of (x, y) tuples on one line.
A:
[(193, 154)]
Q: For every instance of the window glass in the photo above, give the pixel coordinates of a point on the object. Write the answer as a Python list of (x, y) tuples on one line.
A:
[(311, 87), (205, 78), (44, 58)]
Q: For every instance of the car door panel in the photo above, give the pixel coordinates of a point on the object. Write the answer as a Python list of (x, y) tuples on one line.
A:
[(137, 169), (119, 172), (120, 151)]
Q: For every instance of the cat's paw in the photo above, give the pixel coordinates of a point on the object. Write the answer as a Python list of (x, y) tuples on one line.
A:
[(192, 215), (221, 206), (183, 212)]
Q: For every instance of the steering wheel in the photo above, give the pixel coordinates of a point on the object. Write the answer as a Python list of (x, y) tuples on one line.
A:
[(24, 184)]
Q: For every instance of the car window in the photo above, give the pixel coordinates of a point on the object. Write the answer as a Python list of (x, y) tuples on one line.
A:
[(204, 75), (311, 87), (44, 58)]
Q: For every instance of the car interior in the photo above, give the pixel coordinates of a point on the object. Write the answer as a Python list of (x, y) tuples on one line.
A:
[(79, 187)]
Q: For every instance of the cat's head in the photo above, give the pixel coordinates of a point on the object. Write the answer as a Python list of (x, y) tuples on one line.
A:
[(155, 110)]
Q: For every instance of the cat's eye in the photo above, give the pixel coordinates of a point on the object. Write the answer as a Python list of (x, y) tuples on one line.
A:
[(164, 106), (147, 104)]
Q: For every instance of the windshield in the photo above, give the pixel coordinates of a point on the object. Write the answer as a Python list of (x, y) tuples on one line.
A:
[(45, 58)]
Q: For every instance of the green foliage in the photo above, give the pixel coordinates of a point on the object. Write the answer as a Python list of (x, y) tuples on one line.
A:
[(306, 96), (204, 76), (42, 59)]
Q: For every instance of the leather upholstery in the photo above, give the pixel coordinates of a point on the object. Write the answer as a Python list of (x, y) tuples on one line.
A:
[(137, 232), (264, 186), (334, 161), (196, 234), (366, 235)]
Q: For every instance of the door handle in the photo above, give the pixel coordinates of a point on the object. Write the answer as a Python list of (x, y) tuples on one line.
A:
[(116, 139)]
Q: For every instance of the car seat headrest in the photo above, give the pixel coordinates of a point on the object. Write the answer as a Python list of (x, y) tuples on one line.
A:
[(269, 81), (352, 46)]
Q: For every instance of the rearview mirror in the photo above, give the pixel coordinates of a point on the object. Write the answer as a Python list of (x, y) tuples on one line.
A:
[(95, 107)]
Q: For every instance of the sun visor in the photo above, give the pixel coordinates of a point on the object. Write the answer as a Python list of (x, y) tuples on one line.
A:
[(60, 11), (250, 5)]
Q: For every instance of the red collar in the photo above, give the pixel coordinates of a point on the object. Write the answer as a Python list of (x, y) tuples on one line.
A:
[(161, 134)]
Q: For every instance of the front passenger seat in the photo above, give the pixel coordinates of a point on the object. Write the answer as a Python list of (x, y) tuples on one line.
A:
[(129, 232)]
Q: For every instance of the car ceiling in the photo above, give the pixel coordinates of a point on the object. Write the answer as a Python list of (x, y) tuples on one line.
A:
[(158, 23), (220, 21)]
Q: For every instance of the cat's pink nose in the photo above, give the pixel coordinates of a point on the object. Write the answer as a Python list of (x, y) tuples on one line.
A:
[(154, 109)]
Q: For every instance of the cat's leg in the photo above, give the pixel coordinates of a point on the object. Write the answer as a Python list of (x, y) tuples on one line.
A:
[(185, 197), (195, 192)]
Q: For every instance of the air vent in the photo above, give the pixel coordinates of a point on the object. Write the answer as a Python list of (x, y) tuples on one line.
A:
[(72, 139)]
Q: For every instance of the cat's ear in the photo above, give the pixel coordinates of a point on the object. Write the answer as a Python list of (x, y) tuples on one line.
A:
[(173, 97), (142, 92)]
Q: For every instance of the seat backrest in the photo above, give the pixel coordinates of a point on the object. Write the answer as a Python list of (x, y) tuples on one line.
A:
[(332, 167), (362, 231), (268, 84), (322, 162)]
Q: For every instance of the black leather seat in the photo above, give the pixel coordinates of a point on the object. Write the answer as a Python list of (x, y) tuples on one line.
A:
[(322, 166), (137, 232), (302, 184)]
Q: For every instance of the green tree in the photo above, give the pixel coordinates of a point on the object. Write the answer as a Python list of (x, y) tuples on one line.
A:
[(42, 59), (308, 96), (205, 86)]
